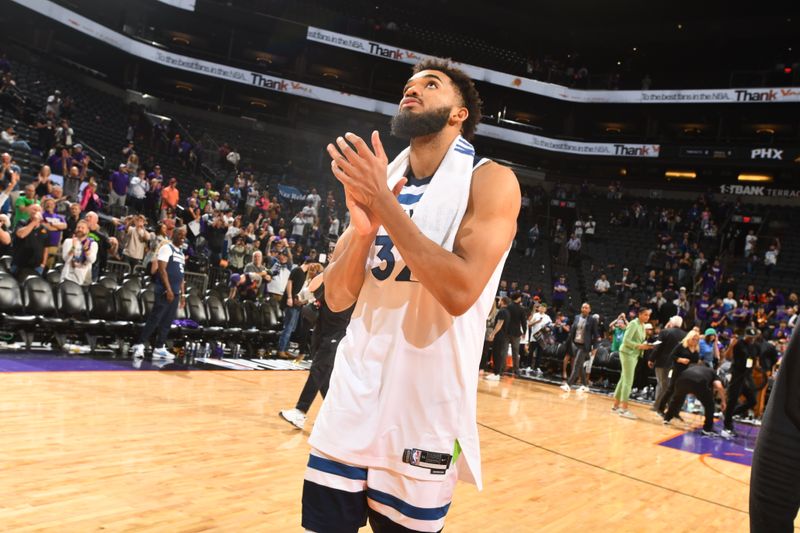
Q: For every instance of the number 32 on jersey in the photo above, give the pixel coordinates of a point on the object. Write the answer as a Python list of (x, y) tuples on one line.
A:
[(382, 273)]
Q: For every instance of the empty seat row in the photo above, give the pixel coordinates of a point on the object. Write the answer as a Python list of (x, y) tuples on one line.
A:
[(38, 311)]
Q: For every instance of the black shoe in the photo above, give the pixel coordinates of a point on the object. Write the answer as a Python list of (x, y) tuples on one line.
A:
[(678, 416)]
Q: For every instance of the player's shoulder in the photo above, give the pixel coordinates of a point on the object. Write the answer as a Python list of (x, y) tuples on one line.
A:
[(494, 176), (493, 180)]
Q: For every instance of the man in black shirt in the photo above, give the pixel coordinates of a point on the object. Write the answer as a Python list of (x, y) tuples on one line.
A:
[(774, 483), (660, 357), (329, 330), (516, 327), (30, 245), (499, 339), (701, 381), (744, 355), (291, 315)]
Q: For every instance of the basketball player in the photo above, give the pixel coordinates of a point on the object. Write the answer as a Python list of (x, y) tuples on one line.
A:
[(398, 425)]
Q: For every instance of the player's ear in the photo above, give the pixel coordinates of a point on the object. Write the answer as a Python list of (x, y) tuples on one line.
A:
[(459, 115)]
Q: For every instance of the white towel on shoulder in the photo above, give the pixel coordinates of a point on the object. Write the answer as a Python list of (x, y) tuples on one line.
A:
[(438, 214)]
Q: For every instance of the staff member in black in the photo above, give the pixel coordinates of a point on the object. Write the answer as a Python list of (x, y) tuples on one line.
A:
[(744, 355), (516, 327), (583, 335), (685, 354), (774, 483), (660, 357), (329, 330), (499, 339), (701, 381)]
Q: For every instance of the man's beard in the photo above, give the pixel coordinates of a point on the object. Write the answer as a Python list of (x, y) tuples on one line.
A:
[(409, 125)]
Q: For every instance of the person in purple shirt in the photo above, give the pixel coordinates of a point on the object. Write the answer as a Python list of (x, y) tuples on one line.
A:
[(55, 224), (716, 314), (118, 186), (560, 290), (783, 331), (742, 315), (156, 174), (701, 309)]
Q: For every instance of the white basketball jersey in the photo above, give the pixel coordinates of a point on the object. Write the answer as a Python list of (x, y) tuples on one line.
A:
[(406, 374)]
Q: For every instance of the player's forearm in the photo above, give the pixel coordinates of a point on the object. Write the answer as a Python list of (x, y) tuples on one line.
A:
[(345, 275), (429, 262)]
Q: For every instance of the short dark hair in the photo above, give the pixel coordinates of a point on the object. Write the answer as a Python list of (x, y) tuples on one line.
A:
[(466, 88)]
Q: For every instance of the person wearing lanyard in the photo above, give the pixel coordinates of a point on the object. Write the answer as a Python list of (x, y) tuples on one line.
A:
[(633, 345), (744, 355), (169, 294)]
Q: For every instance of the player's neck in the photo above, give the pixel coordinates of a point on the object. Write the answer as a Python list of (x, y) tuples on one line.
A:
[(428, 152)]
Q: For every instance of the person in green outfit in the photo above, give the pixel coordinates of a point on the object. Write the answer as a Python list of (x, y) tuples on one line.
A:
[(633, 345), (618, 331)]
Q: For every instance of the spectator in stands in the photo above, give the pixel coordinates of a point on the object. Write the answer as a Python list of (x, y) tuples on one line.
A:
[(118, 183), (64, 134), (632, 348), (533, 236), (169, 292), (137, 238), (279, 271), (30, 245), (79, 254), (132, 165), (43, 184), (750, 242), (55, 225), (156, 174), (10, 137), (256, 266), (23, 207), (560, 290), (90, 200), (169, 197), (244, 286), (106, 246), (701, 308), (72, 219), (602, 285), (137, 191), (239, 254), (574, 250), (771, 256), (298, 227), (72, 184), (589, 227), (624, 286), (314, 198)]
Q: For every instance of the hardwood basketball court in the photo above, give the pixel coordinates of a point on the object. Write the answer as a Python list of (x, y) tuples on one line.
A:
[(206, 451)]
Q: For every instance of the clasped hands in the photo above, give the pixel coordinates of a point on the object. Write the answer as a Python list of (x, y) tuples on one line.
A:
[(363, 173)]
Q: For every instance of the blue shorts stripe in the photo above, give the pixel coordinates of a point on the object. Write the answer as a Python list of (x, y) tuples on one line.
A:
[(411, 511), (338, 469)]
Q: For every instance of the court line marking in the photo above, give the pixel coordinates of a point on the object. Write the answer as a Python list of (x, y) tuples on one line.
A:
[(610, 471), (703, 457)]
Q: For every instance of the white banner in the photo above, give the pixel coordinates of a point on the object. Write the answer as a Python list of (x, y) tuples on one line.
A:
[(188, 5), (322, 94), (758, 190), (688, 96)]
